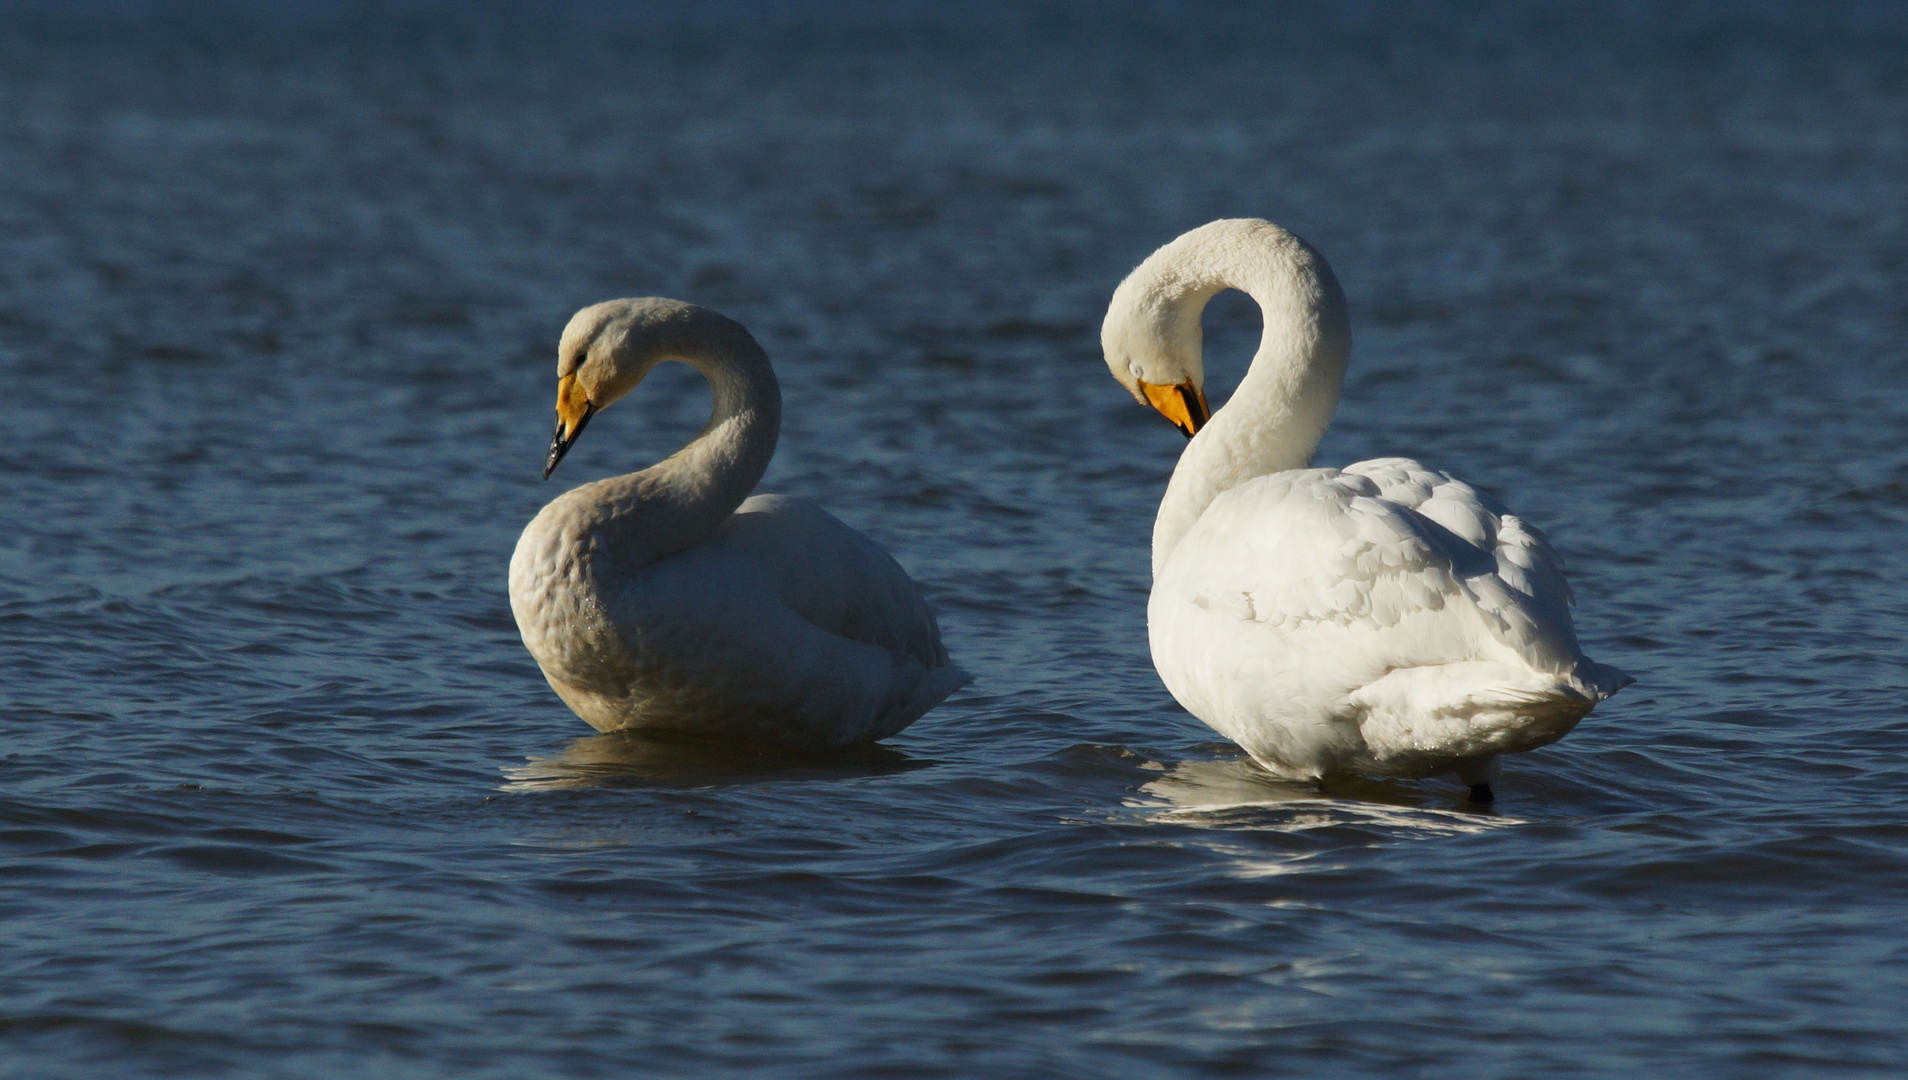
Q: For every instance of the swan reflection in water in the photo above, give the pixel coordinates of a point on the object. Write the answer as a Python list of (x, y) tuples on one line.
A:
[(1236, 793), (629, 759)]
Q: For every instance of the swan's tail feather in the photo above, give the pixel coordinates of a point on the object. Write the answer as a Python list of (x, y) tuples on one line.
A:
[(1415, 721), (934, 688), (1599, 681)]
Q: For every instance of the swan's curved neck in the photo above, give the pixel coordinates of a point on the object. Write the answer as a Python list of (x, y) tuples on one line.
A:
[(1282, 407), (680, 501)]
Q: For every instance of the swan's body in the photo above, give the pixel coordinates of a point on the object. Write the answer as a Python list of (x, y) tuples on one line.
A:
[(664, 601), (1382, 618)]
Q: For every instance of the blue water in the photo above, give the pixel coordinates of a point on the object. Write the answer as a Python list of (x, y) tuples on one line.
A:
[(282, 795)]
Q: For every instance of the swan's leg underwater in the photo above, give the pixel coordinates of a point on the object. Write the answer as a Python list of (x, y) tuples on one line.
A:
[(1479, 776)]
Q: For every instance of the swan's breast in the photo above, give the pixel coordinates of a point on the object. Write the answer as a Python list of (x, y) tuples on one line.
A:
[(557, 585)]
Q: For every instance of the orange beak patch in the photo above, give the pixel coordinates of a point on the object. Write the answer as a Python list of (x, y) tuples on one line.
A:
[(573, 405), (573, 411)]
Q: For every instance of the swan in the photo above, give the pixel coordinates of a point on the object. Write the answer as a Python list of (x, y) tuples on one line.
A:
[(667, 602), (1382, 618)]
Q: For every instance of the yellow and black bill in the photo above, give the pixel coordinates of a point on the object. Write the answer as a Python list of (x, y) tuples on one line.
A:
[(1184, 404), (573, 410)]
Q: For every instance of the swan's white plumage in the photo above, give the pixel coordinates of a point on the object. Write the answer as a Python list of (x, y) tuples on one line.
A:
[(1382, 618), (665, 602)]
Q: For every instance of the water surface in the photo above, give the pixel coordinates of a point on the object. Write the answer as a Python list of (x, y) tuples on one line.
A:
[(281, 794)]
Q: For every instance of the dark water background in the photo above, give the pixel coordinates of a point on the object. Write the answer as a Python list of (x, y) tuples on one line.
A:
[(281, 794)]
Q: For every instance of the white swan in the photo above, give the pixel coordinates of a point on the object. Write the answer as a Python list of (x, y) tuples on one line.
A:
[(1382, 618), (664, 601)]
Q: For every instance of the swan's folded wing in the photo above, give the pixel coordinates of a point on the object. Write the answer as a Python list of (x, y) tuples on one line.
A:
[(787, 623), (1523, 555), (716, 649), (836, 578), (1384, 546)]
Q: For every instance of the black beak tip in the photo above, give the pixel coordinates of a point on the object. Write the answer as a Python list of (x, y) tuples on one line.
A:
[(1195, 410), (559, 446)]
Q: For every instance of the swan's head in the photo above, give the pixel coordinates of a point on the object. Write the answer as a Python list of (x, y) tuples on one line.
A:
[(1153, 346), (1152, 337), (605, 352)]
